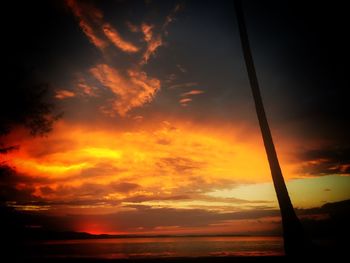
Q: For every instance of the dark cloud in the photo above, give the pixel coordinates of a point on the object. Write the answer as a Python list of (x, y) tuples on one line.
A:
[(124, 187), (9, 191), (179, 164), (201, 185), (23, 190), (145, 198), (92, 191), (47, 190), (100, 169), (330, 220), (4, 150), (150, 218), (324, 161), (231, 200)]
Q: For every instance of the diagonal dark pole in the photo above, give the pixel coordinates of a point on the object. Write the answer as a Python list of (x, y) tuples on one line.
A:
[(295, 241)]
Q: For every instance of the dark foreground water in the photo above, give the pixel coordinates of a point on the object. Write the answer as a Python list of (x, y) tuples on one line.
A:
[(158, 247)]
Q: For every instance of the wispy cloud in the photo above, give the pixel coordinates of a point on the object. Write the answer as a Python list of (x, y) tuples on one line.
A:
[(96, 29), (112, 34), (170, 78), (153, 42), (171, 17), (131, 92), (186, 96), (185, 101), (86, 90), (181, 68), (89, 20), (192, 92), (325, 161), (63, 94), (147, 31), (131, 86), (183, 85), (132, 27)]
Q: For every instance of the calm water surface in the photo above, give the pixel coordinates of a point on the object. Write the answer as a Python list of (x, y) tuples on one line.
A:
[(159, 247)]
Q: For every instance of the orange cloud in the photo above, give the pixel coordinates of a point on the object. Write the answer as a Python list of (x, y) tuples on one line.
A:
[(132, 27), (117, 40), (63, 94), (91, 22), (131, 92), (153, 45), (192, 92), (147, 31), (171, 17), (183, 85), (153, 42), (185, 101), (90, 33), (155, 164), (89, 18), (170, 165), (84, 88)]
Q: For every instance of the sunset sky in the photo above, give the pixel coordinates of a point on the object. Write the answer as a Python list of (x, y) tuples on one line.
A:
[(158, 133)]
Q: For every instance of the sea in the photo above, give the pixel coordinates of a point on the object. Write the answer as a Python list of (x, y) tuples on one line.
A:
[(158, 247)]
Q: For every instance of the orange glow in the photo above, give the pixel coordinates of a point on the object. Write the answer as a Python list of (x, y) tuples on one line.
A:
[(182, 148), (101, 170), (161, 162), (94, 228)]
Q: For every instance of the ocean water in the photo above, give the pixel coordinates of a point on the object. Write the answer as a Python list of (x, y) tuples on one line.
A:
[(158, 247)]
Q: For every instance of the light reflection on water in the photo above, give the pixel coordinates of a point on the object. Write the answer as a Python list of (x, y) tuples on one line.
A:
[(154, 247)]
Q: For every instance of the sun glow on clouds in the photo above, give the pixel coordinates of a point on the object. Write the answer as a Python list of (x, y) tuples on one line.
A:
[(165, 163)]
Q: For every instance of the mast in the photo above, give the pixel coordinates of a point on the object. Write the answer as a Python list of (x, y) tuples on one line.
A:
[(295, 241)]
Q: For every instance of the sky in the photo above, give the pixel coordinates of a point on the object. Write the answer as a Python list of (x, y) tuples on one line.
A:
[(158, 133)]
